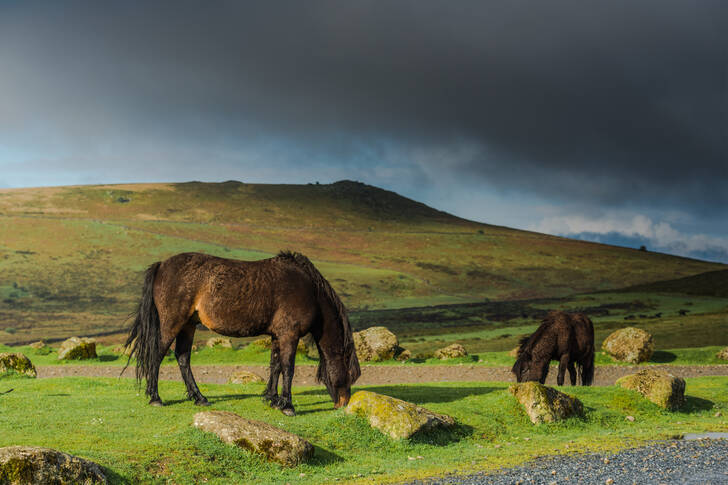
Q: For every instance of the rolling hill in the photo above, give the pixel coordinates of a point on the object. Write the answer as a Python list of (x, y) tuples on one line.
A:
[(71, 258)]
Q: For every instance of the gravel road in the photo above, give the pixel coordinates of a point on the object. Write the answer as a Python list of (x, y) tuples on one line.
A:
[(378, 375), (703, 462)]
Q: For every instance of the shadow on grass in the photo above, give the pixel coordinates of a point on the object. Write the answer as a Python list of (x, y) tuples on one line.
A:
[(443, 436), (114, 477), (419, 393), (323, 457), (662, 357), (212, 398), (696, 404), (108, 358)]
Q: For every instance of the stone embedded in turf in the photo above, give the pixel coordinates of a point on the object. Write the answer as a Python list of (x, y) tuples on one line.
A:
[(396, 418), (629, 344), (223, 342), (16, 364), (544, 404), (33, 465), (245, 377), (375, 344), (663, 389), (453, 351), (76, 348), (273, 443), (403, 355), (723, 354)]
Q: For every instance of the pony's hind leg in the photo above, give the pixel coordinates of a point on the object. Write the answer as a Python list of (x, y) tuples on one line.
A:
[(564, 362), (153, 379), (572, 373), (288, 363), (271, 390), (183, 352)]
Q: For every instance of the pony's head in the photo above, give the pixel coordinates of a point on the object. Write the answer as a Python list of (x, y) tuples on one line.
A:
[(522, 367), (338, 371)]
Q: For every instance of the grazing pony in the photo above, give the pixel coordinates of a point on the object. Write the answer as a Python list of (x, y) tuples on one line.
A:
[(285, 297), (565, 337)]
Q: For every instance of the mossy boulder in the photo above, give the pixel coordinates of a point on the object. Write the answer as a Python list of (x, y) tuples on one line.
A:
[(630, 344), (394, 417), (16, 365), (403, 355), (76, 348), (272, 443), (221, 342), (723, 354), (545, 404), (309, 346), (663, 389), (375, 344), (453, 351), (245, 377), (32, 465)]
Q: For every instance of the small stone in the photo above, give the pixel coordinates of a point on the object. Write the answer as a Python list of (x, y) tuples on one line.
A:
[(16, 364), (76, 348), (606, 461), (37, 345), (608, 481), (453, 351), (629, 418), (553, 472), (245, 377), (404, 355), (718, 414), (723, 354), (222, 342)]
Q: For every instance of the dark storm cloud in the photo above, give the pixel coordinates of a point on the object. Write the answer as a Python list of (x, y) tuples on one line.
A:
[(601, 102)]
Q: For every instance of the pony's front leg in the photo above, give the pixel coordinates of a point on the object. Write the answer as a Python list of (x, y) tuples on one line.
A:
[(271, 390), (563, 364), (288, 363)]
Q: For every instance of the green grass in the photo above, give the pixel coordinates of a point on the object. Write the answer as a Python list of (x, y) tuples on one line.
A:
[(71, 258), (106, 420)]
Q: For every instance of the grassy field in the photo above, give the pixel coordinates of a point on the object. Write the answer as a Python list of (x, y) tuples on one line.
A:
[(71, 258), (106, 420)]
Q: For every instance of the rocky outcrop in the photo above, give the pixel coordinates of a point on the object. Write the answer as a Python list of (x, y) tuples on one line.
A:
[(629, 344), (77, 349), (16, 365), (545, 404), (396, 418), (375, 344), (272, 443), (245, 377), (453, 351), (663, 389), (31, 465), (221, 342), (723, 354)]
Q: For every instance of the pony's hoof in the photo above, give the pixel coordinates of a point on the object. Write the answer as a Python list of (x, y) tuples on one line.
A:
[(157, 403), (276, 403), (288, 412), (202, 402)]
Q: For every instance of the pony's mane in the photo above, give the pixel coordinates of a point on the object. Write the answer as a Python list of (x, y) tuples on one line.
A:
[(325, 291)]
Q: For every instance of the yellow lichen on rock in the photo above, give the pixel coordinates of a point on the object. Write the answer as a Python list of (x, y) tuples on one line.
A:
[(245, 377), (223, 342), (76, 348), (453, 351), (16, 364), (394, 417), (723, 354), (375, 344), (544, 404), (661, 388)]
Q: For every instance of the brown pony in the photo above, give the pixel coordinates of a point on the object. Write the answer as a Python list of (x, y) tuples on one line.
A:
[(565, 337), (285, 297)]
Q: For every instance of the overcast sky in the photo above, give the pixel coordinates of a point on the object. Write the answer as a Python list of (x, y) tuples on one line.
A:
[(600, 120)]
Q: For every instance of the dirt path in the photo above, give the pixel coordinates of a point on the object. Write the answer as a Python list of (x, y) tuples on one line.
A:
[(377, 375)]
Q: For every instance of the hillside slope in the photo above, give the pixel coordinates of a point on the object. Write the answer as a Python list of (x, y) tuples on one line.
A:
[(71, 257)]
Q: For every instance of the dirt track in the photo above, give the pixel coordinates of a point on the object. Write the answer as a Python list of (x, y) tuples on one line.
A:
[(377, 375)]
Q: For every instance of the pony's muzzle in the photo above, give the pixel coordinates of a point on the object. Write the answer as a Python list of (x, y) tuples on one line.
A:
[(343, 399)]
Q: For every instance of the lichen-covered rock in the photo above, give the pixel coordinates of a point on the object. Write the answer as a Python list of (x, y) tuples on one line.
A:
[(223, 342), (245, 377), (663, 389), (273, 443), (31, 465), (545, 404), (77, 349), (451, 352), (16, 364), (310, 348), (723, 354), (375, 344), (629, 344), (404, 355), (37, 345), (396, 418), (263, 342)]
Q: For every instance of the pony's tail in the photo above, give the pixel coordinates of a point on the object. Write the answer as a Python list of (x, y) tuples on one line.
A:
[(144, 334), (324, 291)]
